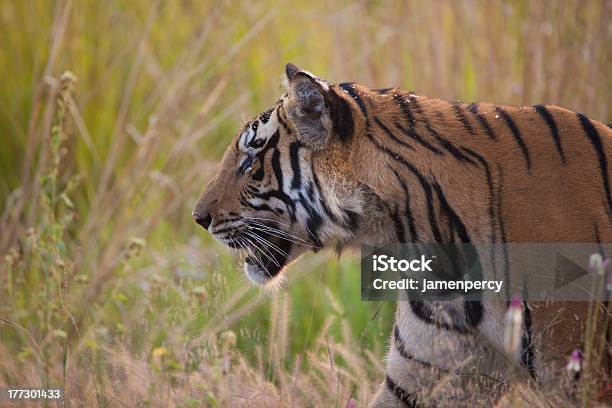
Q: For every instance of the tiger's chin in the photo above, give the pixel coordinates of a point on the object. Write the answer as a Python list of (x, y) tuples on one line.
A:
[(265, 272)]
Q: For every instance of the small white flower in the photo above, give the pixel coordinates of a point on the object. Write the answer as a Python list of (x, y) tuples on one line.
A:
[(574, 363), (513, 327), (598, 264)]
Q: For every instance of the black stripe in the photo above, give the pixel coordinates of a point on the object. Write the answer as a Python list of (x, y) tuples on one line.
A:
[(417, 107), (431, 214), (341, 116), (527, 354), (407, 210), (349, 89), (401, 348), (414, 135), (278, 194), (399, 343), (328, 212), (399, 227), (281, 120), (251, 189), (276, 167), (517, 135), (473, 309), (593, 135), (422, 180), (391, 135), (473, 312), (493, 222), (294, 156), (270, 145), (259, 174), (461, 116), (278, 174), (262, 207), (443, 142), (502, 230), (405, 109), (352, 219), (310, 192), (454, 219), (313, 222), (487, 170), (408, 399), (254, 128), (473, 108), (552, 125), (257, 143), (423, 312), (452, 149)]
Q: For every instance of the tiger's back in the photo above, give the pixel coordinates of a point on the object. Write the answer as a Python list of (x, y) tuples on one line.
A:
[(539, 165)]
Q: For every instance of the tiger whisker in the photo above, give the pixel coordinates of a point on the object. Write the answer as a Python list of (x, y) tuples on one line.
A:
[(267, 243), (264, 247), (246, 249), (282, 234), (258, 221), (305, 243), (278, 234), (263, 219), (241, 248), (251, 250)]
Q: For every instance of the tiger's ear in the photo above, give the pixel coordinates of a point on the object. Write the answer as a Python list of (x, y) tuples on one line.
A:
[(308, 107)]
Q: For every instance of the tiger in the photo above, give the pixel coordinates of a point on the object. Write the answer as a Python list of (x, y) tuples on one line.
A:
[(342, 165)]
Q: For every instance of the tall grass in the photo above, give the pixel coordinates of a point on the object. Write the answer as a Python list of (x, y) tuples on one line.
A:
[(108, 287)]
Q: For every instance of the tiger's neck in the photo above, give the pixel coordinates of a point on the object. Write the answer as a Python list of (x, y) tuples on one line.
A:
[(411, 170)]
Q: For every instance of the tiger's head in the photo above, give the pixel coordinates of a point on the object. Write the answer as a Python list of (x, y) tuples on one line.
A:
[(285, 184)]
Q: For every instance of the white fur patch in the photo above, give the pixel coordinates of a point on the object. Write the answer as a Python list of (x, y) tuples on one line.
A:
[(263, 131)]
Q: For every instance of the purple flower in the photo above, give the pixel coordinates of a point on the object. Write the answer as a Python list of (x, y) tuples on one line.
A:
[(351, 403), (598, 264), (574, 363)]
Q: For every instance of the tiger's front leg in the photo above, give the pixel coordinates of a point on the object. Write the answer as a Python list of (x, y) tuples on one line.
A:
[(442, 354)]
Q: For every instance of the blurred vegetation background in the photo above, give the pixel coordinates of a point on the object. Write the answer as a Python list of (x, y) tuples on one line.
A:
[(114, 115)]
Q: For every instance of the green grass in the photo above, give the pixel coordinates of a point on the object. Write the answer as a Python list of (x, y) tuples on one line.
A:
[(103, 266)]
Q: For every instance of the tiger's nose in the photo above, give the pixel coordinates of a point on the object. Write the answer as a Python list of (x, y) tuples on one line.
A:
[(202, 219)]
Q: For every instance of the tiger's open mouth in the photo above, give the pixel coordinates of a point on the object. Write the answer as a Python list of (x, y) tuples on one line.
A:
[(267, 256), (267, 251)]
